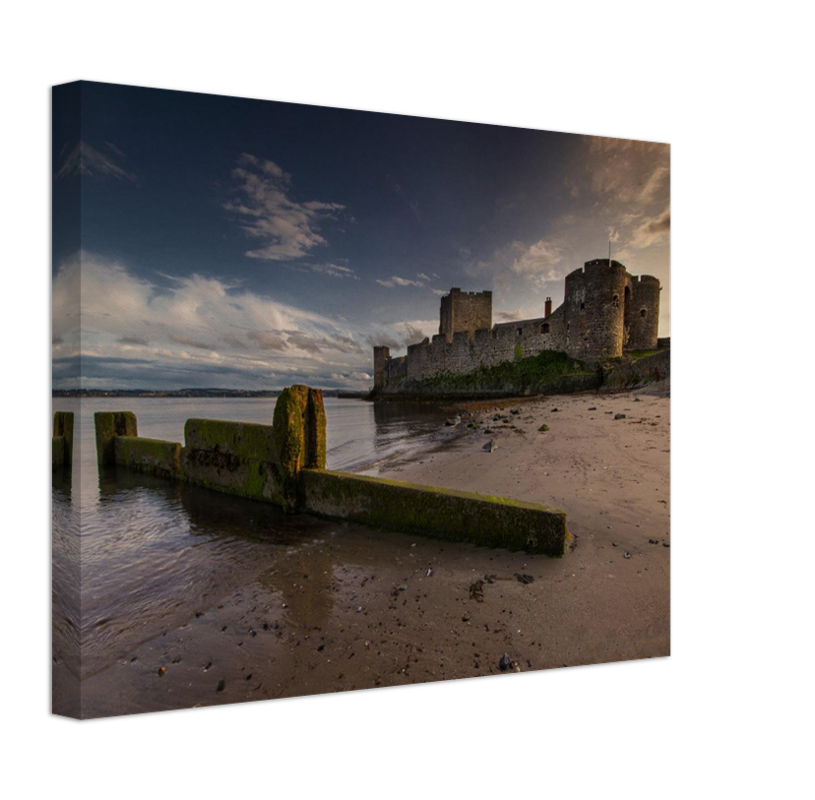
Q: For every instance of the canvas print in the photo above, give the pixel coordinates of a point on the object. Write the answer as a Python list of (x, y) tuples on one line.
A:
[(349, 400)]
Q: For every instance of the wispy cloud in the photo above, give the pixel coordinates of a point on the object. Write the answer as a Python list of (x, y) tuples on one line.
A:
[(395, 280), (332, 270), (652, 230), (85, 161), (263, 202), (631, 172), (398, 335), (536, 258)]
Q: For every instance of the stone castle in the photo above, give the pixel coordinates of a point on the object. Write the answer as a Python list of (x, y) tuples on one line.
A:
[(605, 313)]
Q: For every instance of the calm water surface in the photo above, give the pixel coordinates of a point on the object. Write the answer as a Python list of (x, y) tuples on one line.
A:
[(149, 551)]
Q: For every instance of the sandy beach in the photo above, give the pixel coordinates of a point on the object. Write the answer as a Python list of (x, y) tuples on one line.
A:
[(350, 608)]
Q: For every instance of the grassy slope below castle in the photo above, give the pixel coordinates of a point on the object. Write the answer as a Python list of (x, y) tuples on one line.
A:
[(548, 372)]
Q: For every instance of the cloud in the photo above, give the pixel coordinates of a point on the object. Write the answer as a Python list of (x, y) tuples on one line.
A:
[(333, 270), (180, 338), (268, 341), (395, 280), (652, 230), (398, 335), (85, 161), (510, 316), (188, 331), (262, 201), (632, 172), (536, 258)]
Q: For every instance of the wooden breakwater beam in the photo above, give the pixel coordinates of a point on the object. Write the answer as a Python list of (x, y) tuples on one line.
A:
[(62, 440), (431, 511), (284, 463)]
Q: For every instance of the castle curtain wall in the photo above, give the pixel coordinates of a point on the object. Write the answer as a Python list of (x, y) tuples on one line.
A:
[(605, 312)]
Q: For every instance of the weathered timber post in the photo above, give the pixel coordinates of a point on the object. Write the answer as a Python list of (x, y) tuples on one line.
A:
[(299, 438), (62, 444), (262, 462), (109, 425)]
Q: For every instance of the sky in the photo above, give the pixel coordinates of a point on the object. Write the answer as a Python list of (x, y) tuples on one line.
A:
[(207, 241)]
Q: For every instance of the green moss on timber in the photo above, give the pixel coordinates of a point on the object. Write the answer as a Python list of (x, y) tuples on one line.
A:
[(635, 354), (150, 456), (317, 447), (289, 427), (244, 440), (108, 425), (432, 511), (64, 427), (57, 451)]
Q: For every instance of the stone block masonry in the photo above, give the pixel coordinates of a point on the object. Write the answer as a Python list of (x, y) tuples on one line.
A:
[(284, 464), (606, 312)]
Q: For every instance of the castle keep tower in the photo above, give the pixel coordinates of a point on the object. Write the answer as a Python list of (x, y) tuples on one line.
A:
[(608, 312), (465, 311), (594, 309)]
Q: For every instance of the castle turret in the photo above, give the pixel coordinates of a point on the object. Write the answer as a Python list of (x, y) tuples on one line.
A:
[(642, 314)]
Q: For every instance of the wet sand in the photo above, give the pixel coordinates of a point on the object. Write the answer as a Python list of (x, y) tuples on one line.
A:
[(349, 608)]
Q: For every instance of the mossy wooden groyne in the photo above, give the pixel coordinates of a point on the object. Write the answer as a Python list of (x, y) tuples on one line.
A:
[(259, 462), (441, 513), (284, 463), (62, 441)]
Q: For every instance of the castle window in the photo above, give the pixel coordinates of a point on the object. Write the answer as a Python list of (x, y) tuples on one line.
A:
[(643, 313), (582, 306), (520, 331), (615, 301), (545, 327)]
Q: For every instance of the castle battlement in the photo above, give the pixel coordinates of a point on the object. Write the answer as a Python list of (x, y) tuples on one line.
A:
[(605, 312)]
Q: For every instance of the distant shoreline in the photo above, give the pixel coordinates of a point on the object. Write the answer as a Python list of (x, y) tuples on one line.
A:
[(197, 393)]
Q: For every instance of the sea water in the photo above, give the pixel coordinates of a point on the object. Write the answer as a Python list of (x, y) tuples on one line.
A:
[(144, 551)]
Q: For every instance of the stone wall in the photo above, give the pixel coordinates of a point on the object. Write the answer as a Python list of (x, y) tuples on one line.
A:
[(605, 313), (648, 369), (485, 348), (642, 314)]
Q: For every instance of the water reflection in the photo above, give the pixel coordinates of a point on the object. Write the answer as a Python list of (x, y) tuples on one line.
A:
[(65, 596), (304, 580), (155, 552)]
